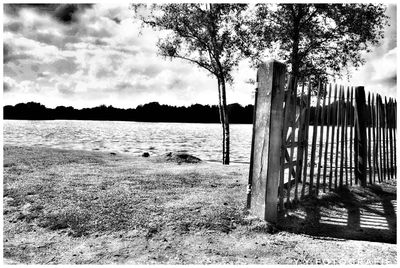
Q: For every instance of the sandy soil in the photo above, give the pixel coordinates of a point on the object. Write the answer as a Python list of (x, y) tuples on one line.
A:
[(76, 207)]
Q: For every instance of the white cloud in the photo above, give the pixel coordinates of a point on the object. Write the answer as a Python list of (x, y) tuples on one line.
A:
[(378, 75), (386, 66), (106, 58)]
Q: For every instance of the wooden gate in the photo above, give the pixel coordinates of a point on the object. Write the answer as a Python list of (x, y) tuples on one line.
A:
[(309, 139)]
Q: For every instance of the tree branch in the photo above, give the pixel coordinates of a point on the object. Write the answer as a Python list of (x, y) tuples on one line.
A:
[(203, 65)]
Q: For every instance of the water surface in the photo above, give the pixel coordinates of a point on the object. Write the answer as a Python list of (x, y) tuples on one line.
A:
[(201, 140)]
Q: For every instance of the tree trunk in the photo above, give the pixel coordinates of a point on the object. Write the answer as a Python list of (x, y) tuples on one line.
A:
[(221, 118), (295, 61), (225, 124)]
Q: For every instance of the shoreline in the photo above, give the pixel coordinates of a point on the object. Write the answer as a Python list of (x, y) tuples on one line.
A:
[(94, 120), (134, 155)]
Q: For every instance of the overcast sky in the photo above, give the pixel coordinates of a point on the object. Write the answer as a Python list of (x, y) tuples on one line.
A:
[(93, 55)]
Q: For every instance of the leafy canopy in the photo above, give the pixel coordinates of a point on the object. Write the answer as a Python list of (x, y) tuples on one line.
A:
[(317, 39), (202, 34)]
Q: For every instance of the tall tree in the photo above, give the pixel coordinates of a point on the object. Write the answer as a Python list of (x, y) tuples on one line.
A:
[(202, 34), (320, 40)]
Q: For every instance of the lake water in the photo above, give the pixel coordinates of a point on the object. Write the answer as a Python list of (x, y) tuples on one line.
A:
[(201, 140)]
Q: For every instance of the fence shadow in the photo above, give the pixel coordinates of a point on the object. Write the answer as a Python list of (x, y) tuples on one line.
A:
[(356, 213)]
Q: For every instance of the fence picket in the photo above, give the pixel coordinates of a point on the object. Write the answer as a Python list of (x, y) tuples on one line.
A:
[(373, 130), (293, 136), (342, 148), (321, 135), (376, 146), (307, 121), (383, 141), (346, 115), (300, 139), (393, 143), (334, 108), (394, 137), (314, 140), (328, 121), (391, 136), (381, 177), (369, 138), (286, 112), (387, 139), (351, 135), (338, 110), (361, 137)]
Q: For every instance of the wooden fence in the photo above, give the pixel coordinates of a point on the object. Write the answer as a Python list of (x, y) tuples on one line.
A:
[(309, 139)]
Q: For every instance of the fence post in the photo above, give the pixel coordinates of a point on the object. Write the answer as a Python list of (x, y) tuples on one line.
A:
[(267, 140), (361, 137)]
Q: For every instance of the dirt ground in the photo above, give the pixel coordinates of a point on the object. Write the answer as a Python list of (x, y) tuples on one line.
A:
[(76, 207)]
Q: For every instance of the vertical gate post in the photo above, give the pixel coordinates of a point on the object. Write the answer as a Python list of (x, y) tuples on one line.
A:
[(267, 140), (361, 137)]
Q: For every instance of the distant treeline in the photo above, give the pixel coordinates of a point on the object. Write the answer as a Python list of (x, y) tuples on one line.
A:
[(150, 112)]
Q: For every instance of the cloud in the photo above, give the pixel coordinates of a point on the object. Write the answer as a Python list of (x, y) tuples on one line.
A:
[(390, 40), (385, 67), (379, 74), (22, 48), (9, 71), (64, 13), (85, 56), (65, 65), (6, 87), (66, 89), (121, 86), (60, 49), (6, 53), (9, 84), (13, 26), (67, 13)]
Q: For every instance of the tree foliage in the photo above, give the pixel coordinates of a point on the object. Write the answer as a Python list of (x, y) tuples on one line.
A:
[(199, 33), (318, 40)]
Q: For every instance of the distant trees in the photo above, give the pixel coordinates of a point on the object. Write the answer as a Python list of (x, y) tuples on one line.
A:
[(320, 40), (150, 112), (202, 34), (30, 110)]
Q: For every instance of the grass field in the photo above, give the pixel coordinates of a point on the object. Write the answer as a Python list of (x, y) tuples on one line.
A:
[(78, 207)]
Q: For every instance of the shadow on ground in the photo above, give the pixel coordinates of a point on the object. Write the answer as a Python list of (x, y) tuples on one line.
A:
[(356, 213)]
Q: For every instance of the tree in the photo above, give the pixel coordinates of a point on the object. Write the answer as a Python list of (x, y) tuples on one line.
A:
[(202, 34), (319, 40)]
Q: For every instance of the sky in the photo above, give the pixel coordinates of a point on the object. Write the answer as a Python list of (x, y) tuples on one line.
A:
[(89, 55)]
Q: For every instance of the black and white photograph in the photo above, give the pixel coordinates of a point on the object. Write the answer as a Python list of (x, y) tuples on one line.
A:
[(198, 133)]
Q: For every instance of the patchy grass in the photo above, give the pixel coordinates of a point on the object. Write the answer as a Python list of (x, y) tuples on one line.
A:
[(76, 207)]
